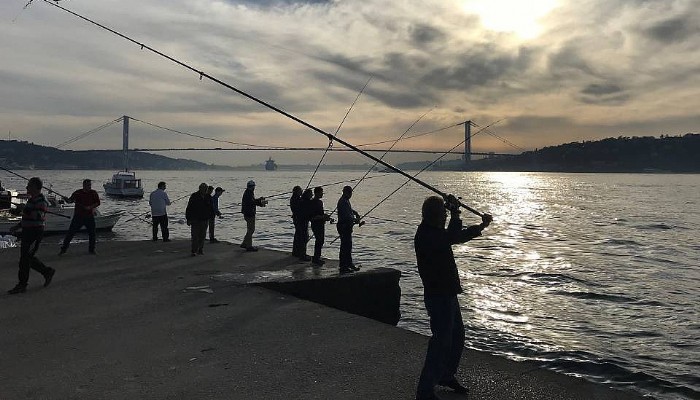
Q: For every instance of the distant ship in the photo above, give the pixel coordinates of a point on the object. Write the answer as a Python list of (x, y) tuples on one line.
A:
[(270, 165)]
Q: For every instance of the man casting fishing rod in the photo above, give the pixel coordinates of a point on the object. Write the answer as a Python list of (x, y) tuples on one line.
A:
[(441, 285)]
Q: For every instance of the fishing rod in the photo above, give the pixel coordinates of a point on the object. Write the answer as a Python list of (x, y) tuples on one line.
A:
[(26, 179), (417, 173), (330, 142), (278, 110), (428, 166), (383, 155), (47, 211)]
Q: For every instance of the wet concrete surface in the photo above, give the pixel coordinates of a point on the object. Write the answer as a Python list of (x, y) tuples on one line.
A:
[(144, 320)]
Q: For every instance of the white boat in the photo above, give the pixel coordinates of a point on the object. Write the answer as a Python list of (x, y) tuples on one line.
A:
[(58, 218), (124, 184)]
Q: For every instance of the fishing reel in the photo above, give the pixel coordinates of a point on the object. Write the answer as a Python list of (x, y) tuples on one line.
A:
[(262, 202), (452, 204)]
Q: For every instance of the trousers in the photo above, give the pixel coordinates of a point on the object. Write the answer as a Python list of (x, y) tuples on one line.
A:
[(31, 238), (198, 230), (345, 255), (319, 231), (162, 221), (75, 224), (446, 343)]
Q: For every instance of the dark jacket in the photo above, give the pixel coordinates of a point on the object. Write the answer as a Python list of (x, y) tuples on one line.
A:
[(436, 262), (346, 215), (199, 208), (305, 214), (34, 212), (295, 205), (315, 210), (248, 204)]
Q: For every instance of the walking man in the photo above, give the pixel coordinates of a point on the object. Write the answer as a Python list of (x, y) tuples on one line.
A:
[(318, 218), (249, 205), (198, 214), (217, 213), (32, 224), (298, 247), (86, 202), (159, 201), (347, 217), (441, 284)]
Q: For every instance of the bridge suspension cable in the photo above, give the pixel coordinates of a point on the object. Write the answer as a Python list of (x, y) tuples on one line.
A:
[(88, 133)]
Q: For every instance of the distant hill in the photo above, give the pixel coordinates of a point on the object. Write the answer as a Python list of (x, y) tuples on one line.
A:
[(24, 155), (622, 154)]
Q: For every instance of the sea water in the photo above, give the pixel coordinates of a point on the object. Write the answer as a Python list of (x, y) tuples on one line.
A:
[(594, 275)]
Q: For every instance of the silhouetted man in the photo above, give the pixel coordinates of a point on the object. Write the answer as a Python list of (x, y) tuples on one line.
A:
[(32, 224), (318, 219), (86, 202), (249, 205), (198, 213), (347, 217), (298, 247), (159, 201), (441, 284), (306, 201), (215, 209)]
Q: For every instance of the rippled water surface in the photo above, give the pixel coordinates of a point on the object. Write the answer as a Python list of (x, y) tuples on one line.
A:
[(595, 275)]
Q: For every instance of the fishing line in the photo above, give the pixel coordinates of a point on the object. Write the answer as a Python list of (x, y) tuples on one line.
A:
[(417, 173), (428, 166), (330, 142), (47, 211), (203, 74), (26, 179)]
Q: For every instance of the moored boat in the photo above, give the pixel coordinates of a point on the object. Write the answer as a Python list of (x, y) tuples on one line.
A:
[(124, 184), (58, 218)]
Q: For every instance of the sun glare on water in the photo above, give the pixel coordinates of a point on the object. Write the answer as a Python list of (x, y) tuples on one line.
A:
[(520, 17)]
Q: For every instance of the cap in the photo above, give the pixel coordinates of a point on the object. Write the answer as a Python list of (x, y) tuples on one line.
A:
[(251, 183), (219, 189)]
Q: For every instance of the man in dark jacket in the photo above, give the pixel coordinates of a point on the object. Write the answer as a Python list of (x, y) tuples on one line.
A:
[(32, 224), (248, 207), (199, 211), (318, 219), (298, 247), (86, 202), (438, 271), (347, 217)]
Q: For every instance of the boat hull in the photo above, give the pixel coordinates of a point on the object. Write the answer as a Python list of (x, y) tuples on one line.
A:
[(61, 224)]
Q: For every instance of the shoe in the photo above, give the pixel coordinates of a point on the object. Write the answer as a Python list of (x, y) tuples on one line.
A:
[(213, 241), (431, 396), (155, 239), (17, 290), (166, 240), (49, 276), (346, 270), (305, 258), (354, 267), (317, 261), (201, 253), (62, 251), (455, 386), (251, 248), (194, 254), (243, 246)]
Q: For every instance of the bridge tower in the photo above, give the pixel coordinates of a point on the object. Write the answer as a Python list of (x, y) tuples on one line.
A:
[(125, 141), (467, 142)]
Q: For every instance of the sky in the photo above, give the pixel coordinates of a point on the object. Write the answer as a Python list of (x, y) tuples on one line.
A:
[(545, 72)]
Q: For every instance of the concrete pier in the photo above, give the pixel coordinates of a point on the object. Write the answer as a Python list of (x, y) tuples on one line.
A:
[(144, 320)]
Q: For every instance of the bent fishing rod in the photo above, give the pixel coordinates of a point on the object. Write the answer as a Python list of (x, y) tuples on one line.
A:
[(265, 104)]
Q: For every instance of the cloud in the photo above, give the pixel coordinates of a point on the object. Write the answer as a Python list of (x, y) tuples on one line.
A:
[(312, 57)]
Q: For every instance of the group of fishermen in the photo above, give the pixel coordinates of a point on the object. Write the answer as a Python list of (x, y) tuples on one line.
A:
[(432, 242)]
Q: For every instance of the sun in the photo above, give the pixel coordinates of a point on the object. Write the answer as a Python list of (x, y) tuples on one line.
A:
[(519, 17)]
